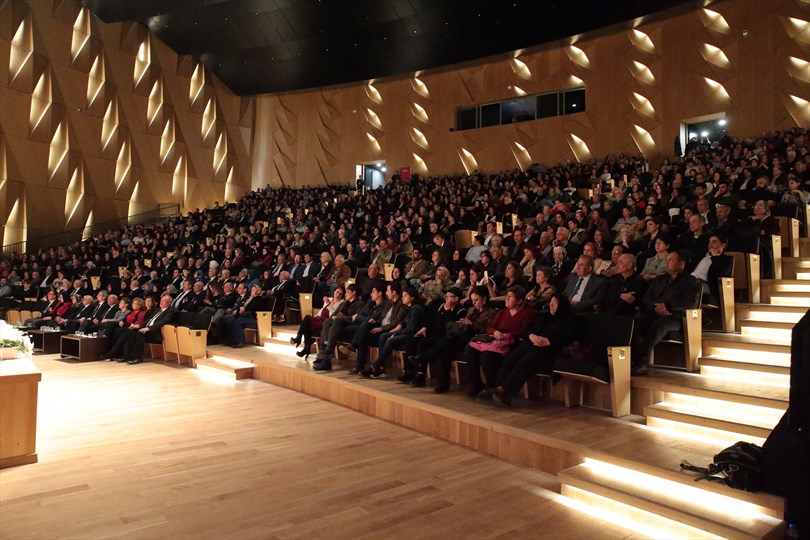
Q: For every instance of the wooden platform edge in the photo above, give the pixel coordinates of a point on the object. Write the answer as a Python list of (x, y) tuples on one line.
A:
[(515, 445), (505, 442)]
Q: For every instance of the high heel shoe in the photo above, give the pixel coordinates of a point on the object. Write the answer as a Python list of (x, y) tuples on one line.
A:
[(295, 341), (304, 353)]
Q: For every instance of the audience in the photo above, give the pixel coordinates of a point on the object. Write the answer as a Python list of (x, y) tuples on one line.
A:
[(613, 235)]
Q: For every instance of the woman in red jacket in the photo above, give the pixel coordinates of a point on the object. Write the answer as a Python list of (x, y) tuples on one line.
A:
[(486, 352), (131, 322)]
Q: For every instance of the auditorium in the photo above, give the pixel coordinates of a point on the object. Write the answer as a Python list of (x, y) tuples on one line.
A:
[(338, 269)]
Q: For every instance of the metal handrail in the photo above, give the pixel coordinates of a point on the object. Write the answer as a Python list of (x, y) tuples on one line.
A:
[(162, 213)]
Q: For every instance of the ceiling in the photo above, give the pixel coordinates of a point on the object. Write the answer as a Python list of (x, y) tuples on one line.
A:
[(266, 46)]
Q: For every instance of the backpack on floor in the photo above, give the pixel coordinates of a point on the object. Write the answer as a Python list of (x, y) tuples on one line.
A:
[(737, 466)]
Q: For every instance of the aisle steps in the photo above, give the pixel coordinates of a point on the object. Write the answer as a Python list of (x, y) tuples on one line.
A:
[(710, 409), (229, 367), (659, 507)]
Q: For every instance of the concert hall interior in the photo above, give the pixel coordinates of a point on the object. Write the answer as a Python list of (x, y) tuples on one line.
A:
[(404, 269)]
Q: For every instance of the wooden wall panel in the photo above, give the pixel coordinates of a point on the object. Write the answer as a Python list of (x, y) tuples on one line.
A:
[(641, 84), (61, 201)]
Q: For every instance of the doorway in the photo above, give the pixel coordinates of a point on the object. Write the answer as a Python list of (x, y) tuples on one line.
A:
[(703, 129), (372, 174)]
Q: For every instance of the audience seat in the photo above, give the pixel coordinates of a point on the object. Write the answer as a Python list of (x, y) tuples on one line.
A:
[(691, 337), (13, 317), (608, 334), (746, 275), (170, 350)]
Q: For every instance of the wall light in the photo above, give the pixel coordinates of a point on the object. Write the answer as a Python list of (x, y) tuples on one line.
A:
[(721, 122), (419, 112), (419, 138), (714, 21), (578, 56), (373, 119), (715, 55), (420, 87), (641, 104), (642, 73), (715, 86), (579, 148), (373, 94), (799, 69), (641, 40), (521, 69)]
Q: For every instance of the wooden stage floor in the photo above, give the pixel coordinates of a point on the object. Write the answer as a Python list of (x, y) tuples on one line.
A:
[(156, 451)]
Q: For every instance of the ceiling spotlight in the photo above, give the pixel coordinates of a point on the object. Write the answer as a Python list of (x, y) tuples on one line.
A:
[(692, 135), (384, 169), (722, 122), (704, 133), (379, 164)]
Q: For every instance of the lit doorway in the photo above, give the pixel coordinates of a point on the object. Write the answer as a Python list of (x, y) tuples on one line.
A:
[(372, 174), (703, 129)]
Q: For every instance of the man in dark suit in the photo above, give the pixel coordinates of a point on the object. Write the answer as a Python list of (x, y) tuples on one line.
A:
[(585, 289), (72, 323), (245, 317), (715, 264), (106, 309), (285, 289), (150, 332), (667, 297), (625, 288)]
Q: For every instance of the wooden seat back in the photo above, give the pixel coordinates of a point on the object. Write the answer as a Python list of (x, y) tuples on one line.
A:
[(13, 317), (170, 348), (190, 345)]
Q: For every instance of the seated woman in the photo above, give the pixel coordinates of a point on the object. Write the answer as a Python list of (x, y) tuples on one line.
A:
[(545, 338), (539, 295), (513, 277), (312, 325), (486, 352), (131, 322), (400, 335), (106, 326), (657, 264), (476, 320)]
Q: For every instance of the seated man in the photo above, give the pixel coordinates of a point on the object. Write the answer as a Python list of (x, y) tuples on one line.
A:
[(400, 335), (77, 317), (585, 290), (714, 264), (245, 317), (373, 280), (667, 297), (105, 310), (625, 289), (370, 331), (284, 290), (150, 332), (334, 326)]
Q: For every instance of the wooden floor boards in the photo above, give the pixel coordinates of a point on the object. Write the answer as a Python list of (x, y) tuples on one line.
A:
[(153, 451)]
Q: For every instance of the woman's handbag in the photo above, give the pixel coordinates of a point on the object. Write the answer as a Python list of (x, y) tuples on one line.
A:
[(491, 345)]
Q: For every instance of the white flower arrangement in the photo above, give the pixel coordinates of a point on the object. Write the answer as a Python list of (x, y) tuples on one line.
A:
[(12, 338)]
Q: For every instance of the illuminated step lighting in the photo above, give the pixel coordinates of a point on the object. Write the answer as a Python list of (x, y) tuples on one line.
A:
[(774, 335), (213, 375), (280, 349), (626, 516), (742, 413), (774, 316), (705, 435), (232, 362), (745, 376), (792, 287), (709, 499), (790, 301), (802, 275), (759, 357)]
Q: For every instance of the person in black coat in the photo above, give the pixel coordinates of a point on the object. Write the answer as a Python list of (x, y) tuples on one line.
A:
[(150, 332), (545, 338), (714, 264)]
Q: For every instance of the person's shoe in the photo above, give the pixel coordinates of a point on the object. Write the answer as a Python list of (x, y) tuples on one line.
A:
[(377, 373), (238, 345), (485, 395), (304, 353), (295, 341), (354, 371), (639, 370), (366, 373), (323, 366), (406, 378), (133, 362), (413, 359), (442, 389), (120, 360), (419, 381), (472, 394), (501, 400)]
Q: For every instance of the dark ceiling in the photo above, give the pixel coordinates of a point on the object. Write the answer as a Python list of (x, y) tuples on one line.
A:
[(263, 46)]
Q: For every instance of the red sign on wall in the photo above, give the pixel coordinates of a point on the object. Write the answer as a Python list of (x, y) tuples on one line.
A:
[(405, 174)]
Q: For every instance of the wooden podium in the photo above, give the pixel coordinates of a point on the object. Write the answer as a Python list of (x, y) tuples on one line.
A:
[(19, 384)]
